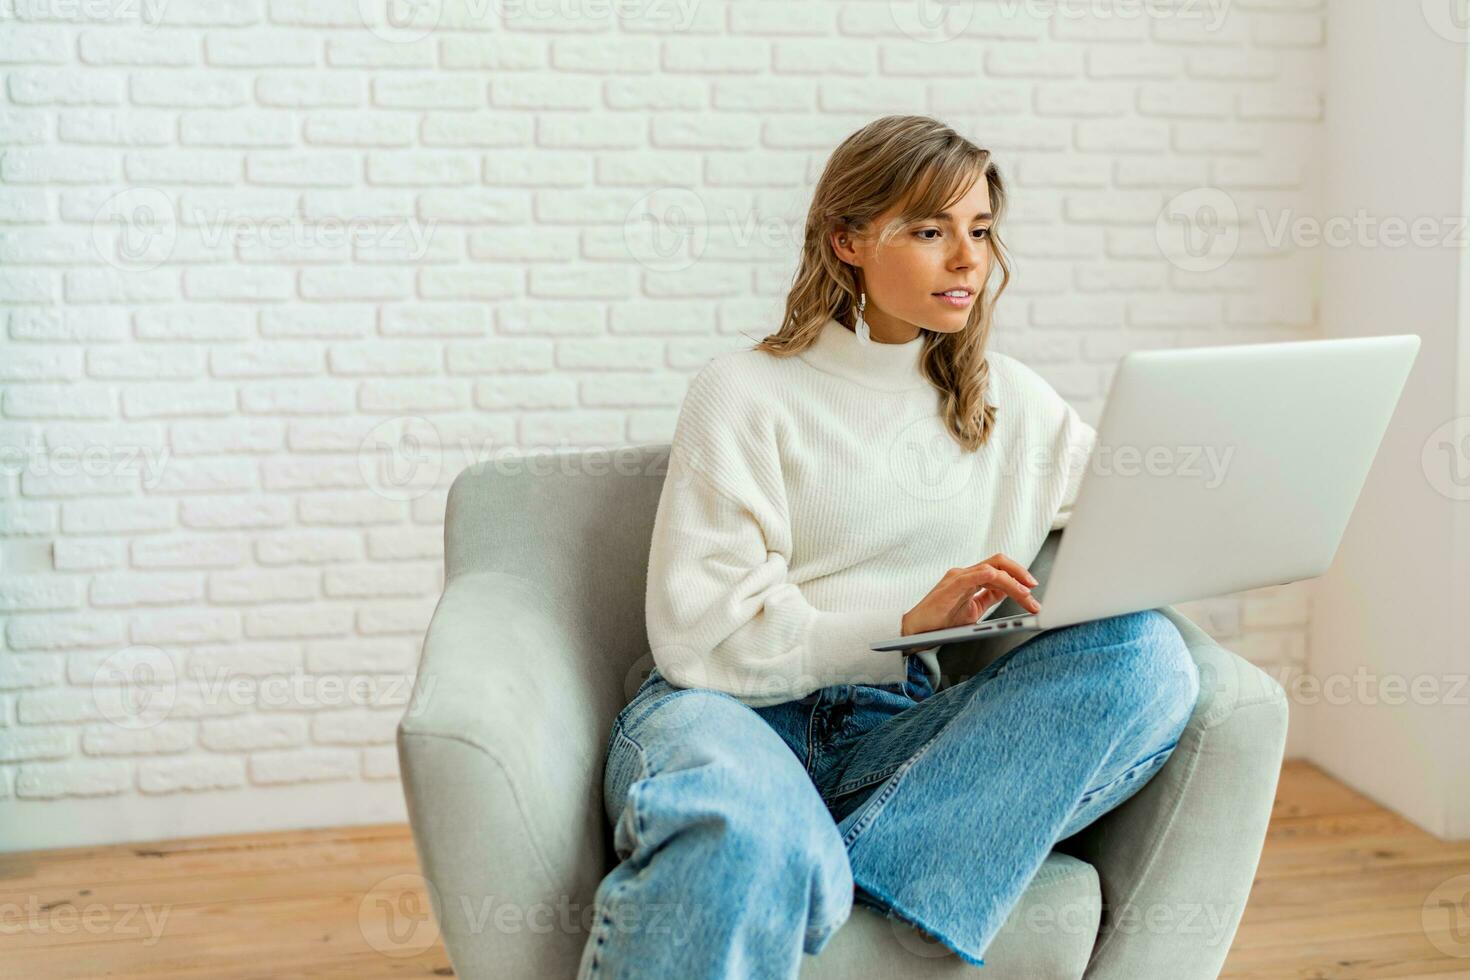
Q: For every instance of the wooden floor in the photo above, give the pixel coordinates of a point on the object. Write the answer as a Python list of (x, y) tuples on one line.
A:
[(1345, 889)]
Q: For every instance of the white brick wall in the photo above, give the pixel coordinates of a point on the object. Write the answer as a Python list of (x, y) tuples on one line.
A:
[(443, 223)]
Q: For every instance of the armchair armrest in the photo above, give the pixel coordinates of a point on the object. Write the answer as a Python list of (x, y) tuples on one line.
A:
[(1177, 860), (498, 750)]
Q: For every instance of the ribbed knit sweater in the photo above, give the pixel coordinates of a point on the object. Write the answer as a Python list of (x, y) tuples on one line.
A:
[(812, 500)]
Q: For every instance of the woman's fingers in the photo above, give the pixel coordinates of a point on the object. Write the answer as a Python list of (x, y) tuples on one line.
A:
[(1017, 570), (1002, 580), (987, 598), (970, 591), (968, 602)]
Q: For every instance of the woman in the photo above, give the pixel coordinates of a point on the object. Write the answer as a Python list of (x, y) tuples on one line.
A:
[(772, 769)]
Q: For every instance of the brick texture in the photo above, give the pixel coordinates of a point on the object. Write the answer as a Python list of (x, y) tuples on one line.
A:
[(244, 246)]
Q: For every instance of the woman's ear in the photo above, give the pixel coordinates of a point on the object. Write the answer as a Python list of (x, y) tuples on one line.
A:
[(842, 245)]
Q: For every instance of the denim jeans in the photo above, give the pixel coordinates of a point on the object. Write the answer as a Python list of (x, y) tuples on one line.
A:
[(745, 835)]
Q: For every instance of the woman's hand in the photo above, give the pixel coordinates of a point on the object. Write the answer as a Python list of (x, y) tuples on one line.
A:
[(963, 595)]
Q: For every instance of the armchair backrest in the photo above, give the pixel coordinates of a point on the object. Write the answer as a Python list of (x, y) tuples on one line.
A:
[(575, 526)]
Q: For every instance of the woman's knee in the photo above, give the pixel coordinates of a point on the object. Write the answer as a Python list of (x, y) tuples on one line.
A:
[(1152, 668), (713, 791), (709, 765)]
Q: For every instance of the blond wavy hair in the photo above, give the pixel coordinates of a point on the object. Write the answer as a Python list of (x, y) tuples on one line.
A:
[(924, 166)]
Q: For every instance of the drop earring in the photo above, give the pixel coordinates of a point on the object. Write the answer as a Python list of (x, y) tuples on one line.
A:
[(864, 335)]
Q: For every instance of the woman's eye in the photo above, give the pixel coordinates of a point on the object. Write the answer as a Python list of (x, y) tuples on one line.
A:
[(923, 234)]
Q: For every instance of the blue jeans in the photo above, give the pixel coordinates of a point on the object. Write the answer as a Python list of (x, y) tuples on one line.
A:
[(745, 835)]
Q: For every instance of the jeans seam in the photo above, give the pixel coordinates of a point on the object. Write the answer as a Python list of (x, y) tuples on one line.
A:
[(871, 807), (638, 832), (871, 779), (611, 741), (878, 776), (619, 732), (675, 693), (810, 762), (1133, 771), (603, 925)]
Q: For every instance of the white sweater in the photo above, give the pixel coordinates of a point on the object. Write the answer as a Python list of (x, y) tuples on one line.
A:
[(811, 501)]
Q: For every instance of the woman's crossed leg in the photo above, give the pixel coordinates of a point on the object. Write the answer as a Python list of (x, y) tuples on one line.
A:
[(730, 864), (949, 807)]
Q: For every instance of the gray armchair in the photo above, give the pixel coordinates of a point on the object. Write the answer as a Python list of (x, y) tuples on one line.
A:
[(538, 641)]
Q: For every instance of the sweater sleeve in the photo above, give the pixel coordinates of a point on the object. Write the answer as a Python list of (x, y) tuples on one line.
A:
[(720, 611)]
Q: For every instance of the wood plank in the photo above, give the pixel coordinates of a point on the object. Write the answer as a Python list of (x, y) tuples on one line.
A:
[(1338, 825), (24, 873), (1312, 958), (230, 939), (1306, 791), (1339, 895), (1287, 899), (178, 901), (1368, 852)]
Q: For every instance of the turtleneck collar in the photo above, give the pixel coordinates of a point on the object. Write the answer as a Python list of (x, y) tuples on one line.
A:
[(886, 367)]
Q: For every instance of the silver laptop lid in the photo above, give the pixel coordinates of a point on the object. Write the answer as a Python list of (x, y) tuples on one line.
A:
[(1219, 469)]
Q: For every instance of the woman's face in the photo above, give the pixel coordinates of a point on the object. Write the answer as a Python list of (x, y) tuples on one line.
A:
[(903, 278)]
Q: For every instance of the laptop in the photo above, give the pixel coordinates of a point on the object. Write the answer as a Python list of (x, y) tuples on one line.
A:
[(1215, 470)]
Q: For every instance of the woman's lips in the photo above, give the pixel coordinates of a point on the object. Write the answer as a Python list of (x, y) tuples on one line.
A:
[(958, 302)]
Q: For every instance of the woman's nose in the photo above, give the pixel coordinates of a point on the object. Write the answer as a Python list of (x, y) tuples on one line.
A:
[(967, 253)]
